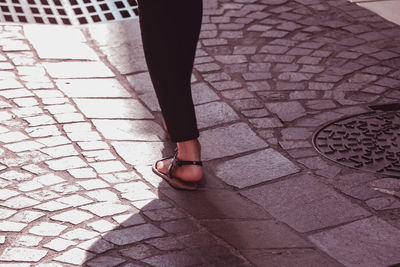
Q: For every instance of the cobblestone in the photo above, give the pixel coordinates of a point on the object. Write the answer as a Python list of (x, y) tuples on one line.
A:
[(22, 254), (133, 234)]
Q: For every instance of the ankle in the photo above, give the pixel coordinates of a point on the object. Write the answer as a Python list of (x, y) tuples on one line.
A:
[(189, 150)]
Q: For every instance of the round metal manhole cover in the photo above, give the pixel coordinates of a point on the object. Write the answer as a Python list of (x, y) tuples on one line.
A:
[(369, 141)]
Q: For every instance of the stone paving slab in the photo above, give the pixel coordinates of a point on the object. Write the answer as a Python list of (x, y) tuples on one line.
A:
[(256, 234), (289, 257), (139, 130), (96, 88), (368, 242), (305, 204), (67, 43), (117, 109), (255, 168), (223, 141)]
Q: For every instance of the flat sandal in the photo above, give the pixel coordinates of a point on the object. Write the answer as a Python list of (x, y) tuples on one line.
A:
[(174, 181)]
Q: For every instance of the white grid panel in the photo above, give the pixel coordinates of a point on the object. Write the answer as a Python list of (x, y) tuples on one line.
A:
[(66, 12)]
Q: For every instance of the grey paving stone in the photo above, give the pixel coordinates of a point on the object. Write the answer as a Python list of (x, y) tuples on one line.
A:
[(314, 163), (389, 185), (317, 206), (19, 202), (5, 213), (133, 234), (296, 133), (59, 244), (72, 216), (68, 43), (216, 204), (202, 93), (27, 216), (103, 209), (287, 111), (22, 254), (7, 226), (105, 261), (250, 103), (143, 130), (174, 259), (140, 153), (226, 85), (81, 88), (150, 100), (164, 214), (130, 57), (289, 257), (367, 242), (79, 234), (66, 163), (166, 243), (75, 69), (320, 104), (137, 252), (223, 141), (231, 59), (116, 109), (141, 82), (356, 185), (214, 113), (255, 168), (75, 256), (256, 234), (184, 226), (383, 203)]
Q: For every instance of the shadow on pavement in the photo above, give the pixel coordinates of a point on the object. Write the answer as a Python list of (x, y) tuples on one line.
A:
[(159, 234)]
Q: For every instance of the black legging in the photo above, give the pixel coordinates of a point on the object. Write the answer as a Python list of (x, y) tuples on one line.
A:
[(170, 32)]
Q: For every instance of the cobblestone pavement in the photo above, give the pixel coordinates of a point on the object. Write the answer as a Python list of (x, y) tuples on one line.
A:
[(80, 128)]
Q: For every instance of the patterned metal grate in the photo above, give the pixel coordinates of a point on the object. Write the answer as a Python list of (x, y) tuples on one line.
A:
[(369, 141), (66, 12)]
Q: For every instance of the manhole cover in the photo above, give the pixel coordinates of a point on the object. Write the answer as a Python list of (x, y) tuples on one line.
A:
[(369, 141), (66, 12)]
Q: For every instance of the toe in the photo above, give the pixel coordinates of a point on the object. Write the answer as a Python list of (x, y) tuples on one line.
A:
[(162, 166)]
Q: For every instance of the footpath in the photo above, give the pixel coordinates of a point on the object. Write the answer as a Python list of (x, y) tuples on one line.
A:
[(80, 128)]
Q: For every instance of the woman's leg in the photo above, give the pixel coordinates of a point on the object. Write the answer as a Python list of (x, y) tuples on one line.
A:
[(170, 31)]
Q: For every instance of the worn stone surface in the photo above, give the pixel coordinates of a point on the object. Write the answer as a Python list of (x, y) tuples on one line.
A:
[(377, 243), (116, 108), (71, 69), (85, 88), (317, 206), (216, 204), (222, 141), (289, 257), (133, 234), (129, 130), (66, 44), (22, 254), (256, 234), (214, 113), (255, 168)]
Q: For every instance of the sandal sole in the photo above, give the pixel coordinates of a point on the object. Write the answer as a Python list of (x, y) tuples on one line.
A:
[(175, 182)]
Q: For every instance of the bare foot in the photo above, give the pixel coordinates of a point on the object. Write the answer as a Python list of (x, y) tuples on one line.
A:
[(188, 150)]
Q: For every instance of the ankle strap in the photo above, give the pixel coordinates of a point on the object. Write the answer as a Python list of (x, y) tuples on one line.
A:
[(180, 163), (175, 162)]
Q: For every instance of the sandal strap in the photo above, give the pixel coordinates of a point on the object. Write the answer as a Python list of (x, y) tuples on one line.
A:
[(180, 163), (175, 162), (172, 165)]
